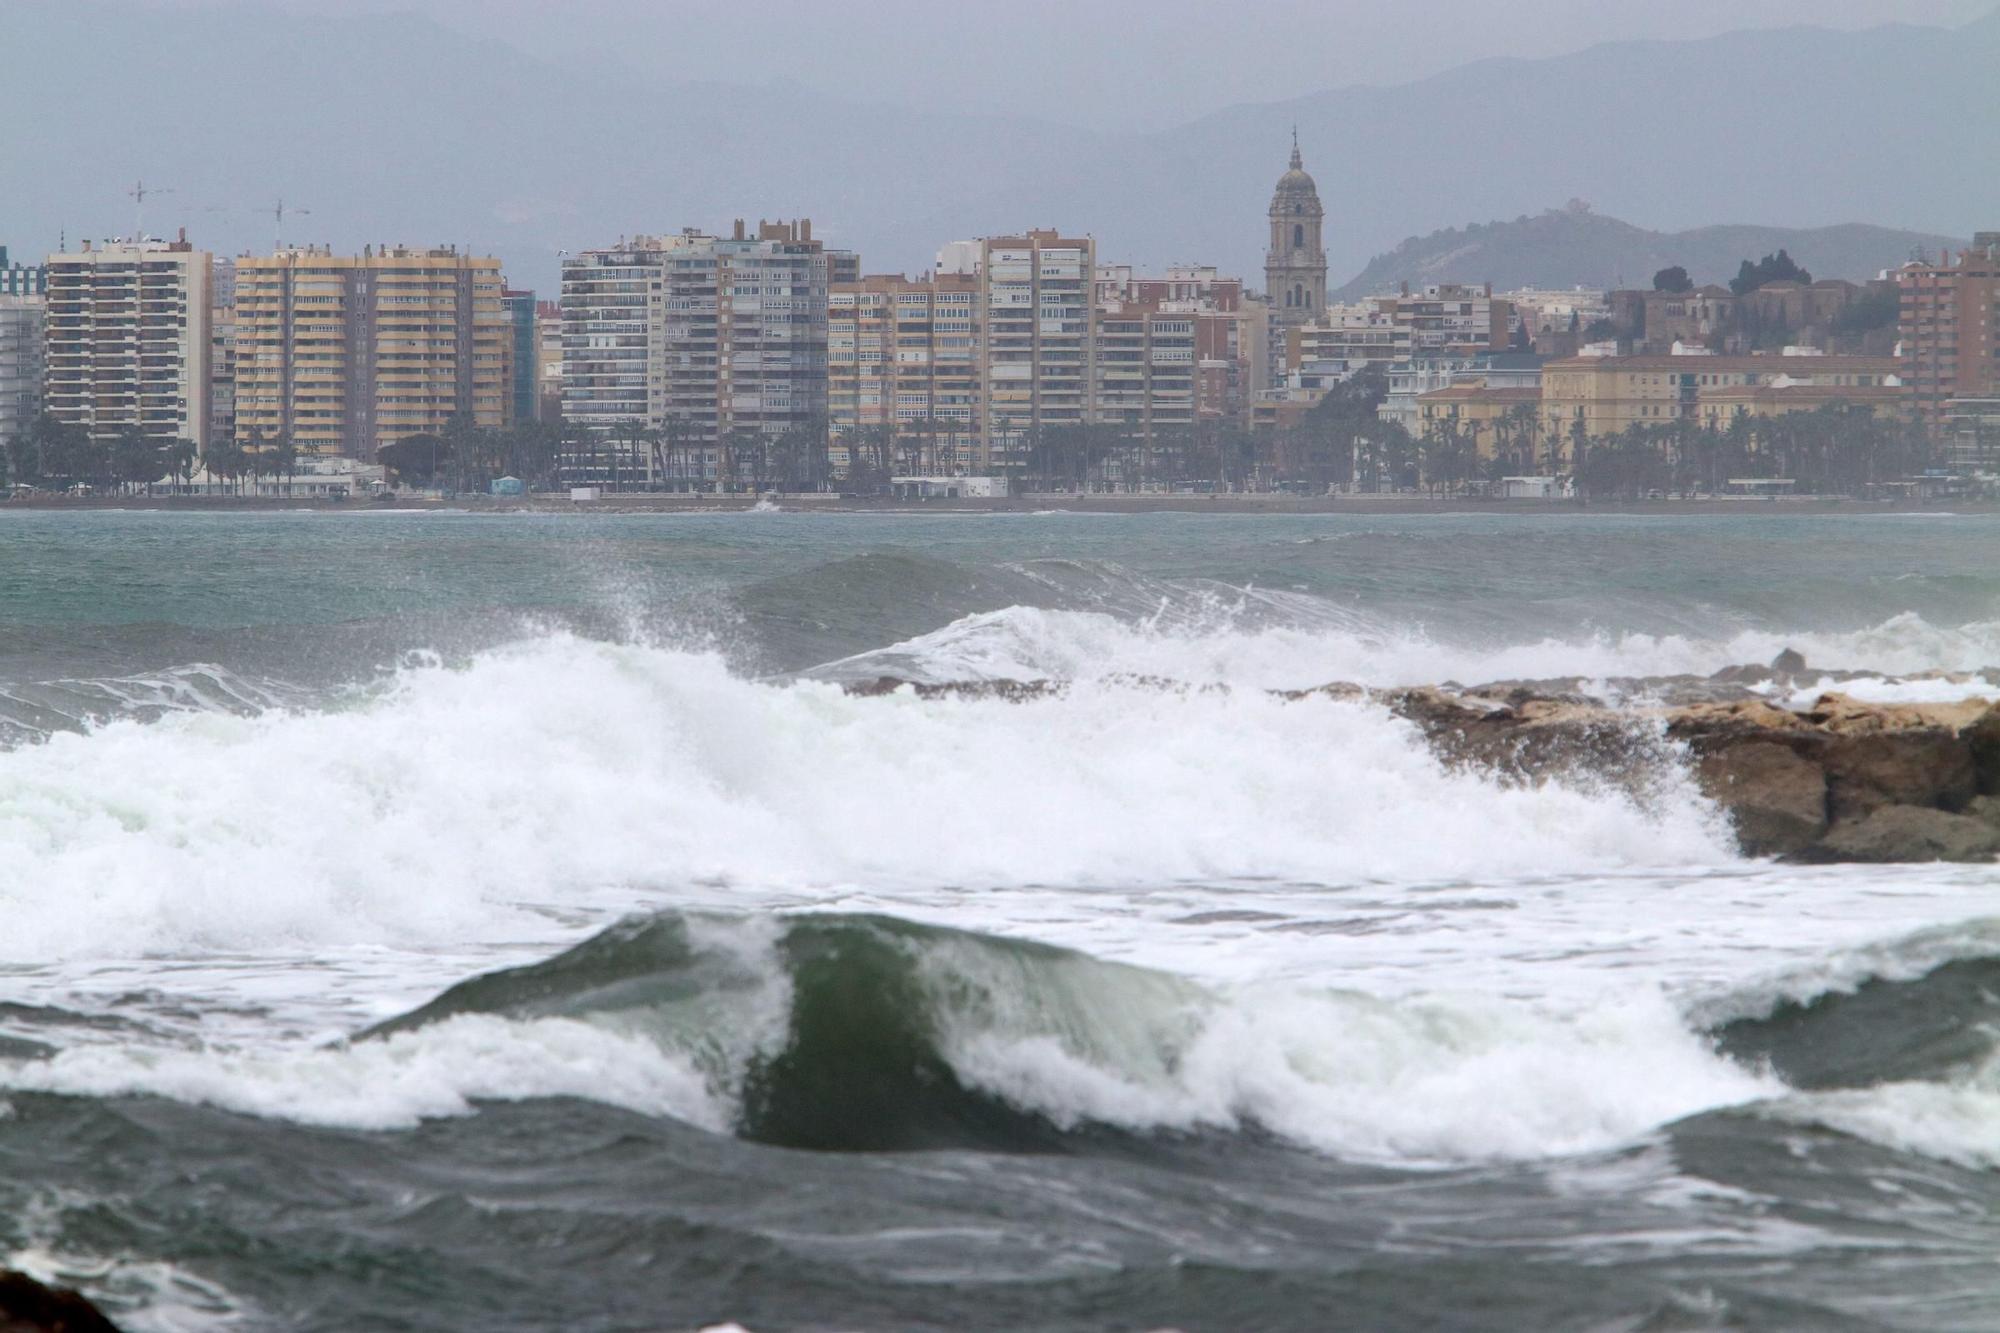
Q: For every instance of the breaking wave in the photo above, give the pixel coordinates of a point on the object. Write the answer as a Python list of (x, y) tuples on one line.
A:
[(841, 1032), (443, 804)]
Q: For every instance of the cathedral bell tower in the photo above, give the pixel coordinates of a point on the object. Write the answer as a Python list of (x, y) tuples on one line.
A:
[(1295, 263)]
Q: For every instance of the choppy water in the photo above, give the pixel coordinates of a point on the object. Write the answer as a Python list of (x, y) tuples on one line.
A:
[(507, 922)]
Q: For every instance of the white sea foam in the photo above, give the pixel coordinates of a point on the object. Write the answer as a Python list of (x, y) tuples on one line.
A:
[(1428, 1080), (1322, 643), (1425, 1080), (1956, 1121), (396, 1081), (542, 773)]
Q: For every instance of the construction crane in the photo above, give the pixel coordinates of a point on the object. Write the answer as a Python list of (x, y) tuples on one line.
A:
[(278, 215), (138, 194)]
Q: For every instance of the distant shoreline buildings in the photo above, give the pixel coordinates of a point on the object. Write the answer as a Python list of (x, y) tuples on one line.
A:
[(760, 357)]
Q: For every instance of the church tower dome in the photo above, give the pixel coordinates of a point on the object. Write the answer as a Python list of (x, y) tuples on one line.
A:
[(1295, 262)]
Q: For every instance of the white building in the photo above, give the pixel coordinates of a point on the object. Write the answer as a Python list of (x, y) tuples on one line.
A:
[(686, 355), (128, 339), (1040, 371)]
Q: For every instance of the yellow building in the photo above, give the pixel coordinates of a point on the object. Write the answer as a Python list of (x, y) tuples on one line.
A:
[(1491, 415), (342, 354), (1889, 402), (1609, 393)]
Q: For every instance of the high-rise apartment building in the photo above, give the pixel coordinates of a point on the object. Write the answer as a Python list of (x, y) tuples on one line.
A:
[(713, 343), (222, 351), (1145, 369), (1950, 327), (613, 335), (745, 334), (22, 279), (1037, 297), (128, 338), (548, 360), (1228, 329), (21, 333), (342, 354), (522, 386), (905, 354)]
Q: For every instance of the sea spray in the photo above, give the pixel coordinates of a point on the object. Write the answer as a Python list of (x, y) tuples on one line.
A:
[(538, 774)]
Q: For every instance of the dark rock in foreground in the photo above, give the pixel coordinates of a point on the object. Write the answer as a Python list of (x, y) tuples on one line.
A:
[(28, 1306), (1839, 780)]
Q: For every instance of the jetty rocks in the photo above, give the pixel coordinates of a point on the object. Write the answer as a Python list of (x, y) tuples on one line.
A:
[(1838, 779), (28, 1306)]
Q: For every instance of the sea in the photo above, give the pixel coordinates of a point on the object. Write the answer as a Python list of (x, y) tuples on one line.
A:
[(469, 921)]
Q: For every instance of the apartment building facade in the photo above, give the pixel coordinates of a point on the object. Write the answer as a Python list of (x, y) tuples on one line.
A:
[(342, 354), (523, 386), (1145, 361), (1230, 329), (1949, 326), (1037, 295), (127, 339), (683, 351), (904, 357), (22, 279), (21, 356)]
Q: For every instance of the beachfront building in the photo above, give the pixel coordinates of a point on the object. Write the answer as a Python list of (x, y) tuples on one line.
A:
[(1145, 369), (697, 360), (21, 334), (22, 279), (903, 371), (342, 354), (523, 385), (1230, 329), (1499, 419), (1949, 325), (1038, 363), (548, 360), (222, 350), (1608, 393), (127, 339)]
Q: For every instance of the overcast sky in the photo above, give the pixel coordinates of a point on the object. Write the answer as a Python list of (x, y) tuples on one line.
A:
[(1111, 64)]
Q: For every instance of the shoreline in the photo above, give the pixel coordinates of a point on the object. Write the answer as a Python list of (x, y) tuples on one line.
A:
[(649, 503)]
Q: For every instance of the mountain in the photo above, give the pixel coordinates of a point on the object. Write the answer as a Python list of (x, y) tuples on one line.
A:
[(1573, 247), (1798, 127), (388, 127)]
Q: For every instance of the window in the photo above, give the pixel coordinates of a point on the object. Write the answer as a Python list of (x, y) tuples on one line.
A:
[(1298, 235)]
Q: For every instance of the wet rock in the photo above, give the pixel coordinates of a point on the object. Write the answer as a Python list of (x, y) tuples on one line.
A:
[(29, 1306), (1014, 691), (1790, 662), (1777, 799), (1982, 737), (1909, 833)]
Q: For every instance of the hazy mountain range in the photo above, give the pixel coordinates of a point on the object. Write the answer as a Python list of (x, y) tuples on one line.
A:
[(394, 128), (1573, 247)]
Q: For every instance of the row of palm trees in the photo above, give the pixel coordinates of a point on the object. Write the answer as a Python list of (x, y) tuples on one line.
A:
[(51, 454), (1342, 444)]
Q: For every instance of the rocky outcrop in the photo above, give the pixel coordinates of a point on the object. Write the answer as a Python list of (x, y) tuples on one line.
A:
[(28, 1306), (1836, 780), (1840, 780)]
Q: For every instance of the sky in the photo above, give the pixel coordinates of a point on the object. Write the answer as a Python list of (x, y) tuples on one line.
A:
[(1107, 64)]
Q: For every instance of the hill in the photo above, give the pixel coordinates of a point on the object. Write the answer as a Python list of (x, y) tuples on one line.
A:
[(1573, 247)]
